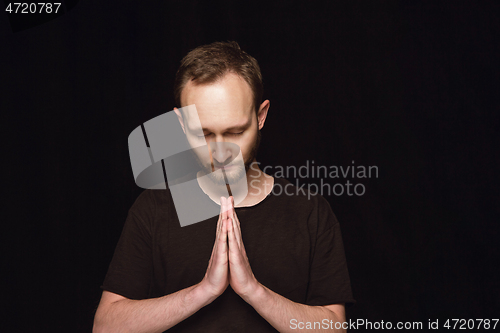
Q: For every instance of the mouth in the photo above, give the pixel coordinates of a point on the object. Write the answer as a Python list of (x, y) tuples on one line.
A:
[(224, 167)]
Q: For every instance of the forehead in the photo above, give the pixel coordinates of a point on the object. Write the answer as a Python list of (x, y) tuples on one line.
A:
[(227, 102)]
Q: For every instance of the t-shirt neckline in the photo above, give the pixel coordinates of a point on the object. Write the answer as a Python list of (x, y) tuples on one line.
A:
[(270, 194)]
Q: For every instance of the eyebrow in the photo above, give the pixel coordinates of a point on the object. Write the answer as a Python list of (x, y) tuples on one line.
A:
[(232, 128)]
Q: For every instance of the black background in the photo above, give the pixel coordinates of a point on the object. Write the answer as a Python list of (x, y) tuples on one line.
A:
[(411, 87)]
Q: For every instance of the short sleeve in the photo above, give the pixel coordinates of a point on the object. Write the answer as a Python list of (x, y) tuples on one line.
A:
[(329, 281), (129, 273)]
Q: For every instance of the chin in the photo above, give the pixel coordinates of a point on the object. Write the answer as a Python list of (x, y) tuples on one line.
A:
[(236, 175), (232, 176), (216, 180)]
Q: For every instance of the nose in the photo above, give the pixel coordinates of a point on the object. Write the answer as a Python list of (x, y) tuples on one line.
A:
[(221, 152)]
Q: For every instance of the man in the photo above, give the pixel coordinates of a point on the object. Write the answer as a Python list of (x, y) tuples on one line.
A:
[(270, 262)]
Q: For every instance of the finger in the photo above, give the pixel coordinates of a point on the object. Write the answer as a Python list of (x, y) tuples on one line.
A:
[(235, 232), (221, 248), (224, 208), (237, 226), (234, 253), (233, 210), (218, 227), (219, 222), (222, 242), (221, 217), (214, 248)]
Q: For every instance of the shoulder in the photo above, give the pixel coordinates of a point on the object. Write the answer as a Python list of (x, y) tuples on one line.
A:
[(298, 193), (151, 202), (299, 197)]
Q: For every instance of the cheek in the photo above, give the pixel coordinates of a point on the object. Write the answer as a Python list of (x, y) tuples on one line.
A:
[(246, 144), (199, 148), (204, 157), (193, 141), (196, 142)]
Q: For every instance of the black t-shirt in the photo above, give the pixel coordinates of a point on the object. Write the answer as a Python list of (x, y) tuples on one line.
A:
[(293, 244)]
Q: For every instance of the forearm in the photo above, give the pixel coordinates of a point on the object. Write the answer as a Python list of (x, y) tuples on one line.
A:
[(284, 314), (150, 315)]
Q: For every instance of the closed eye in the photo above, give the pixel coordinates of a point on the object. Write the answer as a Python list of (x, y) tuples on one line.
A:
[(205, 136), (210, 134)]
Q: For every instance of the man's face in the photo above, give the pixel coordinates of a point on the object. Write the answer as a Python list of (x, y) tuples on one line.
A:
[(228, 121)]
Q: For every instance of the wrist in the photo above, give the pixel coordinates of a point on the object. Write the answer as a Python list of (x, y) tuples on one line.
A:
[(202, 294), (255, 295)]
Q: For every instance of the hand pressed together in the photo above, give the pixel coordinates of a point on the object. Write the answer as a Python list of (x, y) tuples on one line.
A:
[(229, 262), (241, 277)]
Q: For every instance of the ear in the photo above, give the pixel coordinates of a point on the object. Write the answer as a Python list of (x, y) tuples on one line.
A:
[(179, 117), (262, 114)]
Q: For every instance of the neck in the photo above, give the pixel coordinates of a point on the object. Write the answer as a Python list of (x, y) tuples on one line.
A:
[(259, 185)]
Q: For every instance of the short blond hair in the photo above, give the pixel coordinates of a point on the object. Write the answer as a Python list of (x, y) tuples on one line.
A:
[(209, 63)]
